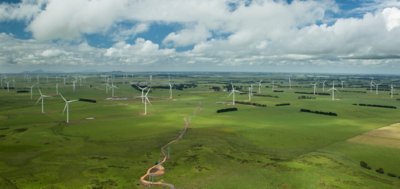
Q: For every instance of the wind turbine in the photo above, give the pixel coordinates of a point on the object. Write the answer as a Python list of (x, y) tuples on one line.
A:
[(32, 90), (112, 89), (371, 84), (251, 89), (333, 89), (315, 87), (250, 94), (170, 90), (142, 96), (66, 107), (73, 85), (259, 87), (290, 83), (342, 83), (233, 91), (56, 88), (323, 86), (41, 98), (377, 88), (391, 90), (146, 100)]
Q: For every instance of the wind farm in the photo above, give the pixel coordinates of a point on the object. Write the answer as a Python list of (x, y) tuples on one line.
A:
[(189, 94), (114, 141)]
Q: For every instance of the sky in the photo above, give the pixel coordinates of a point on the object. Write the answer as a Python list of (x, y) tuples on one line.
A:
[(326, 36)]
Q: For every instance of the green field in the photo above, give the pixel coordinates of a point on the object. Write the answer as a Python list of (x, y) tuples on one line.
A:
[(254, 147)]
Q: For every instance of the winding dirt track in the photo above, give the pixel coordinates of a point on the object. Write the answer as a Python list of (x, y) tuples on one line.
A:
[(158, 170)]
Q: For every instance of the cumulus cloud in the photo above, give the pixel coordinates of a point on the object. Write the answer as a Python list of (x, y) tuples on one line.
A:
[(222, 32), (25, 10)]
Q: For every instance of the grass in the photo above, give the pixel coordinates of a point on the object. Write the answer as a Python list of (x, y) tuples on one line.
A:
[(255, 147)]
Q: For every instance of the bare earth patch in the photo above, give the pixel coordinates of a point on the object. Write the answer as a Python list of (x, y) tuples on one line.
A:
[(388, 136)]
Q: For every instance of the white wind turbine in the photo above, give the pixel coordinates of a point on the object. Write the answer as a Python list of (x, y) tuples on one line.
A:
[(333, 89), (251, 89), (250, 93), (391, 90), (342, 82), (32, 90), (112, 89), (73, 85), (66, 107), (57, 89), (41, 98), (323, 86), (259, 87), (371, 84), (170, 90), (142, 96), (146, 100), (290, 83), (315, 87), (233, 91)]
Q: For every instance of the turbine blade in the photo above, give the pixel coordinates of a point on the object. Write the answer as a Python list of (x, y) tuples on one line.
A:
[(65, 100), (40, 98), (65, 107)]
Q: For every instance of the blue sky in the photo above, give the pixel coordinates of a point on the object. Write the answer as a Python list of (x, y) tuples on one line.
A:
[(350, 36)]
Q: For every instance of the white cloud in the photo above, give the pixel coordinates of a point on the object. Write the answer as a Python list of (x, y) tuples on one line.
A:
[(25, 10), (188, 36), (392, 17), (263, 32), (52, 52)]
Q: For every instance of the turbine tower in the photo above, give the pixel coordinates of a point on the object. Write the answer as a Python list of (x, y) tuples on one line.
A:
[(259, 87), (371, 84), (342, 82), (32, 90), (315, 87), (142, 96), (391, 90), (41, 98), (57, 89), (146, 100), (66, 107), (333, 89), (233, 91), (250, 94), (290, 83), (112, 89), (170, 90)]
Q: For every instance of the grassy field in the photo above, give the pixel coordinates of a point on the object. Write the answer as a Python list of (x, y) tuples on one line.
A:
[(110, 144)]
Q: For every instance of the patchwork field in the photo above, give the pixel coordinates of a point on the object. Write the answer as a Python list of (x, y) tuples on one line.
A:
[(111, 144)]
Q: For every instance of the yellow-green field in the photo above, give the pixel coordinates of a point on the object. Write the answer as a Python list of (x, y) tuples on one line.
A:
[(110, 144)]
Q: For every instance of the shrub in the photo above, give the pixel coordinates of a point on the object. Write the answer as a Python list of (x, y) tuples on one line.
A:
[(251, 103), (378, 106), (283, 104), (87, 100), (227, 110), (306, 97), (391, 175), (319, 112), (364, 165), (380, 170)]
